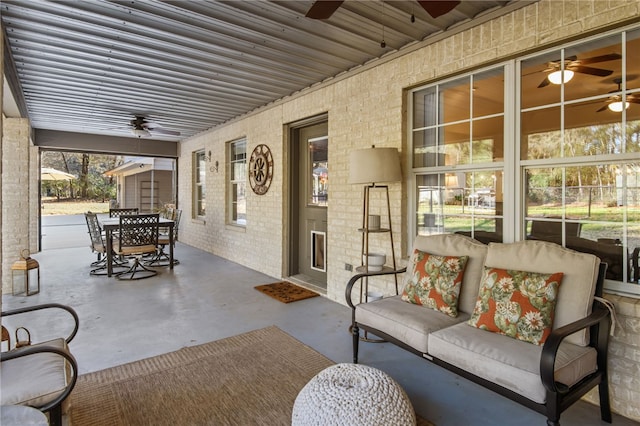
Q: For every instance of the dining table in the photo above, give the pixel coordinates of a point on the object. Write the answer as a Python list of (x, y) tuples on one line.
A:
[(111, 224)]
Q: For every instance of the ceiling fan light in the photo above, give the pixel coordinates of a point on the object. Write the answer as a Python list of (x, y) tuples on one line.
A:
[(141, 133), (618, 106), (559, 77)]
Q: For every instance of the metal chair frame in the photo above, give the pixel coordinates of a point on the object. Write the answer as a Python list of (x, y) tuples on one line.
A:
[(160, 257), (99, 246), (137, 235)]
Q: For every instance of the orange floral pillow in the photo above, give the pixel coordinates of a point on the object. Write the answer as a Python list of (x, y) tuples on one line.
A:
[(517, 304), (435, 281)]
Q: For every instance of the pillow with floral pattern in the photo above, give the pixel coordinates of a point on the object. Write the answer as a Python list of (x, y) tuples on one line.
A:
[(435, 281), (517, 304)]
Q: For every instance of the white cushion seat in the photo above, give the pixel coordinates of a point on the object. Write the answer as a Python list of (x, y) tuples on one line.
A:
[(509, 362), (409, 323), (35, 380)]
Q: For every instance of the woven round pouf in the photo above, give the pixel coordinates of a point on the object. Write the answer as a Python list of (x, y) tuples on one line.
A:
[(352, 394)]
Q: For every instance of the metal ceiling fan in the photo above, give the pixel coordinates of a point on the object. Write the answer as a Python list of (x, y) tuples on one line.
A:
[(615, 104), (324, 9), (572, 65), (142, 128)]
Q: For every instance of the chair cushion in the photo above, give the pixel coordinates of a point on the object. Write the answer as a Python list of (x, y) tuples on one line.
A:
[(458, 245), (508, 362), (409, 323), (434, 281), (580, 274), (35, 380), (517, 304), (129, 250)]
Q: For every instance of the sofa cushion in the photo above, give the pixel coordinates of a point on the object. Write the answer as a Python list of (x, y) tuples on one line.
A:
[(36, 379), (508, 362), (409, 323), (517, 304), (580, 273), (434, 281), (458, 245)]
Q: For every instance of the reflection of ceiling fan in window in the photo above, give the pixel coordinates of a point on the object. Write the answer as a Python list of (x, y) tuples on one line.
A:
[(614, 102), (573, 65), (324, 9)]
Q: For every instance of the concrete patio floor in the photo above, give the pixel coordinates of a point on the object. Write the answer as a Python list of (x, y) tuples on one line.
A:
[(207, 298)]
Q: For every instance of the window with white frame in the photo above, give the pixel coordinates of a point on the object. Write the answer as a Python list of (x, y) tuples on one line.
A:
[(457, 155), (563, 167), (237, 199), (199, 184)]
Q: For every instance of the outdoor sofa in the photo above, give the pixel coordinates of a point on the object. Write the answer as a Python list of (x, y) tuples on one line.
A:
[(561, 365)]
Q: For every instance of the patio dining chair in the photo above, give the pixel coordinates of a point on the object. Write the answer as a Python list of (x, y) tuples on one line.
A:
[(121, 212), (99, 246), (137, 236), (160, 257)]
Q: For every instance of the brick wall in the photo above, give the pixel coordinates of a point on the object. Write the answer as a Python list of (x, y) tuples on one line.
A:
[(367, 107), (17, 201)]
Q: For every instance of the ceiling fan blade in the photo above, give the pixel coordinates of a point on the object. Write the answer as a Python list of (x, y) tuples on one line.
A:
[(164, 131), (544, 83), (602, 58), (603, 108), (437, 8), (590, 70), (323, 9), (633, 99)]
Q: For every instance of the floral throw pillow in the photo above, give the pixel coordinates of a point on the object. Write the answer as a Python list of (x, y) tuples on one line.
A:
[(435, 281), (517, 304)]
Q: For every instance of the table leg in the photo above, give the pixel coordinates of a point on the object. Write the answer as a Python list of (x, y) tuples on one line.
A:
[(109, 252), (171, 246)]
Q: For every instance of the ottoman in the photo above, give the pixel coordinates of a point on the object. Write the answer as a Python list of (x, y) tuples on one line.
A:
[(352, 394)]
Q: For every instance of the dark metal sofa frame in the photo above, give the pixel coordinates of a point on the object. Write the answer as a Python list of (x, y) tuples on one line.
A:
[(559, 397)]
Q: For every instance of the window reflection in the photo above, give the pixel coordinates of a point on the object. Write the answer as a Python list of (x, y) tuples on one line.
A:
[(465, 202), (318, 158)]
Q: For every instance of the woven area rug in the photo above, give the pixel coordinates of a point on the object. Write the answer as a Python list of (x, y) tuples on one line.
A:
[(249, 379), (286, 292)]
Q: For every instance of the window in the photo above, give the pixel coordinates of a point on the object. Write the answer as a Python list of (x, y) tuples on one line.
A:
[(563, 167), (458, 133), (237, 200), (199, 184), (579, 145)]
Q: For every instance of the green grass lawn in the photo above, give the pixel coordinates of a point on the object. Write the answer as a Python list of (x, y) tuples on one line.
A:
[(65, 207)]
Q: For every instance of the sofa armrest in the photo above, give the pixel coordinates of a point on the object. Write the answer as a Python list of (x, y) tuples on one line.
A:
[(354, 279), (27, 351), (27, 309), (599, 321)]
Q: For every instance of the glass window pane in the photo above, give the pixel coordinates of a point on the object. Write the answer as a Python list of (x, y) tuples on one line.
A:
[(455, 100), (595, 65), (425, 148), (460, 202), (319, 179), (536, 89), (424, 108), (540, 134), (633, 58), (488, 93)]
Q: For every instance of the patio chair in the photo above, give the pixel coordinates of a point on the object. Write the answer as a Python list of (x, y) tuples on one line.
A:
[(99, 246), (137, 236), (121, 212), (160, 257), (39, 375)]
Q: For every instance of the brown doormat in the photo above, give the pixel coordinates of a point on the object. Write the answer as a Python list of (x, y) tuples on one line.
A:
[(286, 292)]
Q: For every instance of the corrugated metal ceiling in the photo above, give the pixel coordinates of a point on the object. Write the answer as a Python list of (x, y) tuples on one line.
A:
[(91, 66)]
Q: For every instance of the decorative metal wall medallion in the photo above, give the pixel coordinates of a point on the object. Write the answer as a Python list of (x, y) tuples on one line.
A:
[(260, 169)]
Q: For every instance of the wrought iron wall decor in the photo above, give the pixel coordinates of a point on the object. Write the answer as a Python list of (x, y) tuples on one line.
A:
[(260, 169)]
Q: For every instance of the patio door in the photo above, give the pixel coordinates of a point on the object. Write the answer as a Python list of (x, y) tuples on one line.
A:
[(309, 201)]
